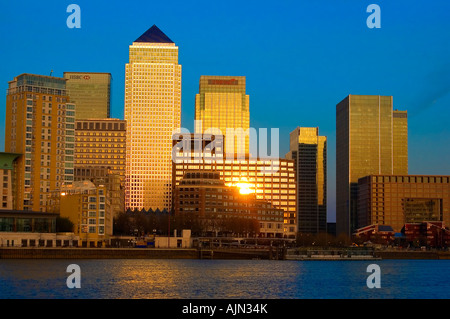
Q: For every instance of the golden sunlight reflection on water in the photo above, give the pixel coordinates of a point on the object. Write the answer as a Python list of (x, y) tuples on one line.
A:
[(222, 279)]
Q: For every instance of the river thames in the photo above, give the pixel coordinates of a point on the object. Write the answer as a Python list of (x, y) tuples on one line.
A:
[(223, 279)]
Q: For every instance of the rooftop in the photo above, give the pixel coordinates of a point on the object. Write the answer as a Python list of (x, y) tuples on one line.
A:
[(154, 35)]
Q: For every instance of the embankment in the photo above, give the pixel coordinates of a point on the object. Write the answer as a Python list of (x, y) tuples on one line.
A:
[(413, 254), (96, 253), (133, 253)]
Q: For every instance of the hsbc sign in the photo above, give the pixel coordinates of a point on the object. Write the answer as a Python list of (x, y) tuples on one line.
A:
[(79, 77)]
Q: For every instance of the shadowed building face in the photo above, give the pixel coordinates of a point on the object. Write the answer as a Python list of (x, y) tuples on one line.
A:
[(309, 152)]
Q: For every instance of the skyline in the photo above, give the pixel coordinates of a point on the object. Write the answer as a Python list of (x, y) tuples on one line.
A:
[(309, 77)]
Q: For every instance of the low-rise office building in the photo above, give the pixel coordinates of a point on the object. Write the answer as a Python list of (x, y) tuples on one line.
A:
[(32, 229), (87, 206), (396, 200), (430, 234), (269, 179), (205, 197)]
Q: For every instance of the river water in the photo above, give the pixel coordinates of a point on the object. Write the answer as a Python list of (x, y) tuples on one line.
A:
[(223, 279)]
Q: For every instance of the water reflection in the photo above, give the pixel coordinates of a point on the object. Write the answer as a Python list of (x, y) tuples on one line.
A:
[(223, 279)]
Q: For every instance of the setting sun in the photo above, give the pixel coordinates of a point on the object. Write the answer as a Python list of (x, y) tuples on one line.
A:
[(244, 186)]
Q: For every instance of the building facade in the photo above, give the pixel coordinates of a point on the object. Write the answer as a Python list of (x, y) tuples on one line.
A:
[(272, 180), (428, 234), (87, 206), (371, 138), (222, 104), (152, 114), (91, 92), (308, 150), (32, 229), (100, 144), (8, 163), (395, 200), (40, 124)]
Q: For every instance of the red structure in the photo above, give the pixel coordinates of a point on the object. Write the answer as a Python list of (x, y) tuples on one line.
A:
[(431, 234), (379, 234)]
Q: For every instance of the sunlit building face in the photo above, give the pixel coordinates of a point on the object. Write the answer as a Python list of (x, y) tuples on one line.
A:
[(40, 123), (371, 138), (272, 180), (211, 202), (396, 200), (91, 92), (152, 113)]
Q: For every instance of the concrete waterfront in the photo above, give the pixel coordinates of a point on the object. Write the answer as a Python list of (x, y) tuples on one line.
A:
[(193, 253)]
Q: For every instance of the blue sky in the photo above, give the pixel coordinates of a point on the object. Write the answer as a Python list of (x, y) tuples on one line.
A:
[(300, 58)]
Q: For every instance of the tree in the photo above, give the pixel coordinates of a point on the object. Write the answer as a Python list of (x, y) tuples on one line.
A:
[(64, 225), (122, 224)]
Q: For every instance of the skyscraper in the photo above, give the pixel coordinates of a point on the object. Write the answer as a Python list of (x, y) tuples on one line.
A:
[(91, 92), (309, 152), (152, 113), (222, 104), (371, 138), (40, 124)]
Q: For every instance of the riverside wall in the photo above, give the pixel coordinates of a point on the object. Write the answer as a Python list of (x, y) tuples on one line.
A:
[(96, 253), (181, 253), (132, 253), (413, 254)]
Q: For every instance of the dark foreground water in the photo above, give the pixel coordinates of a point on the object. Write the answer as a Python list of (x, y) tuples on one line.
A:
[(223, 279)]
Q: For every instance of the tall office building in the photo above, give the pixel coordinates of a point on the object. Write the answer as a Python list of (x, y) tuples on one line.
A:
[(371, 138), (152, 113), (91, 92), (222, 104), (40, 125), (309, 152)]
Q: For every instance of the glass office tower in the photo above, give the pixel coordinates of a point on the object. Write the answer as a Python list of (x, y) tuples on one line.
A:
[(222, 104), (309, 152), (152, 113), (40, 125), (371, 138), (91, 92)]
